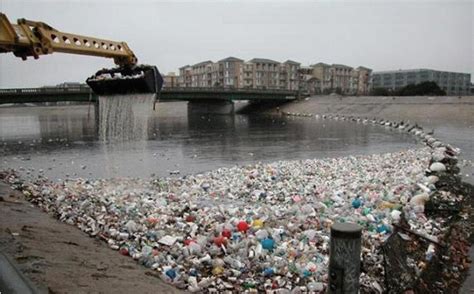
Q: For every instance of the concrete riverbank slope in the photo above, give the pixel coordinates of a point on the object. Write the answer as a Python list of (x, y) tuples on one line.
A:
[(444, 108), (451, 119)]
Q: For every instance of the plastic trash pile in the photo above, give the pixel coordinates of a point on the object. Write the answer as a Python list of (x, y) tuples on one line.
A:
[(262, 226), (117, 76)]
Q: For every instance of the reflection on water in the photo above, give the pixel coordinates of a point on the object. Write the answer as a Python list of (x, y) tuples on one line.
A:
[(64, 141)]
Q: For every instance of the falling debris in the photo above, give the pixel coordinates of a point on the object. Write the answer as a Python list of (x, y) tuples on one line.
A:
[(125, 117)]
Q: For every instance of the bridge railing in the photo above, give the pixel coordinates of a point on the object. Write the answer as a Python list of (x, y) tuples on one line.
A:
[(86, 89), (45, 90), (227, 90)]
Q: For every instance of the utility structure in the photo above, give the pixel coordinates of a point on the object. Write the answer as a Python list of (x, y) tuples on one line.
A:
[(344, 259), (32, 39)]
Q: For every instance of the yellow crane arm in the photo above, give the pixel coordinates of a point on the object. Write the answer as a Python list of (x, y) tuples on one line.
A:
[(32, 38)]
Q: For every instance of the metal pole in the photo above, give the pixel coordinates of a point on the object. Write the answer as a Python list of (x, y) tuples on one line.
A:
[(344, 259)]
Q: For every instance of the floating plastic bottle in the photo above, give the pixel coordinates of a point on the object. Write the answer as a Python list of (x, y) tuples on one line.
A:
[(268, 244), (242, 226)]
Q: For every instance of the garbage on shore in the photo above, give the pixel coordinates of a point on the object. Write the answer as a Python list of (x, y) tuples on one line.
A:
[(261, 226), (258, 226)]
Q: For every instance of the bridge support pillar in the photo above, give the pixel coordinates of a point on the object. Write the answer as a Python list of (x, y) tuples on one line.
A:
[(211, 107)]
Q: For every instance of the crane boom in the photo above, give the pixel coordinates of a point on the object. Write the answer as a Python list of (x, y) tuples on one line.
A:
[(33, 38)]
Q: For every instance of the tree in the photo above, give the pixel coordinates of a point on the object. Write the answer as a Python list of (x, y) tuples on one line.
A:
[(327, 91), (379, 92), (421, 89)]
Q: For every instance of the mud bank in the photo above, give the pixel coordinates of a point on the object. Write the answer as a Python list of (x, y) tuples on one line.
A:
[(58, 258)]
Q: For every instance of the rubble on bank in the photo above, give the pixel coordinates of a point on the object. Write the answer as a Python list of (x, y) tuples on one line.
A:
[(266, 226)]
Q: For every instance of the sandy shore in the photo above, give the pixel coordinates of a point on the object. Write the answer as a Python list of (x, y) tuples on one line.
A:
[(59, 258)]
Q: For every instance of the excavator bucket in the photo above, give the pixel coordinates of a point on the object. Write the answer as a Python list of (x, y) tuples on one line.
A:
[(126, 80)]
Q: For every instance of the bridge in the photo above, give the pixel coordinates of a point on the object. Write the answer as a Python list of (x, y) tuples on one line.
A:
[(85, 94), (213, 100)]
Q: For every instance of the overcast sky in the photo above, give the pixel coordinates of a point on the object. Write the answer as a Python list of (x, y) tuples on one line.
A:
[(382, 35)]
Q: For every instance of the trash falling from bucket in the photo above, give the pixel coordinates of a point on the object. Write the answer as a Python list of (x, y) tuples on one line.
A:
[(125, 117)]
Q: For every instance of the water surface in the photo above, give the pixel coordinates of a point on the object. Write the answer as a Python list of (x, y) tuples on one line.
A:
[(63, 141)]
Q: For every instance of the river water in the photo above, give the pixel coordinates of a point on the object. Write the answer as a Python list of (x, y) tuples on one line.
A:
[(63, 141)]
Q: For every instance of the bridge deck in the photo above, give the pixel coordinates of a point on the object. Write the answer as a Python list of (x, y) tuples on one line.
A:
[(84, 94)]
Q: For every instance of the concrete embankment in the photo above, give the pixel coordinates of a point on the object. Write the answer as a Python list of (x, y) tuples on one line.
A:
[(450, 118), (445, 108)]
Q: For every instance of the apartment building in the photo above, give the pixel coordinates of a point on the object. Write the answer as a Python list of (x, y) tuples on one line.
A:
[(170, 80), (216, 79), (232, 72), (266, 73), (362, 76), (248, 75), (226, 73), (185, 76), (288, 76), (453, 83), (263, 73), (308, 84), (341, 78), (201, 74)]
